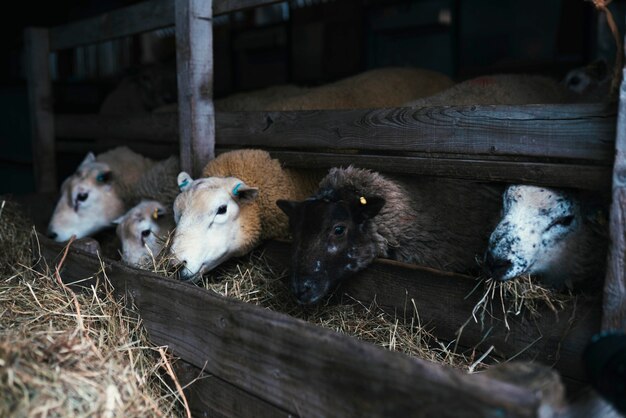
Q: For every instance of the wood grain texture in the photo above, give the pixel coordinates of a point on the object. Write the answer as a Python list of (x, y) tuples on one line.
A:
[(210, 396), (614, 314), (293, 364), (445, 301), (591, 177), (141, 17), (194, 63), (37, 51), (573, 131)]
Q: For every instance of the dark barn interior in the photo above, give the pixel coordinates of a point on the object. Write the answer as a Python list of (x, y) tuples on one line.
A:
[(235, 358)]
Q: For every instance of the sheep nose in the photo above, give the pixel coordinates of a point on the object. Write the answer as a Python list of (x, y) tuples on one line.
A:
[(81, 197), (52, 234), (496, 267), (305, 290)]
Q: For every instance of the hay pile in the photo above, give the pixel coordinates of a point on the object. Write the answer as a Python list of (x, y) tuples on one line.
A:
[(71, 354), (253, 279), (516, 297)]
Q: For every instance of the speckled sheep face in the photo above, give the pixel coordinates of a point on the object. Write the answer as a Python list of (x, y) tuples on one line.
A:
[(209, 228), (88, 202), (330, 242), (534, 233), (143, 231)]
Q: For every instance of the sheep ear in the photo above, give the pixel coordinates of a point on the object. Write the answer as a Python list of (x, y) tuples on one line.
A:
[(244, 193), (367, 207), (89, 158), (118, 221), (159, 212), (288, 206), (184, 181)]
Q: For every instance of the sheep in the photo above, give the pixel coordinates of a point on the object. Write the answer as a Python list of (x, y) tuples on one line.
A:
[(358, 215), (500, 89), (383, 87), (143, 231), (559, 236), (95, 194), (231, 209), (151, 87)]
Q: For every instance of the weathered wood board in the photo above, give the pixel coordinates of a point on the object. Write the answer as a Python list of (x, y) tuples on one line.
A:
[(296, 366)]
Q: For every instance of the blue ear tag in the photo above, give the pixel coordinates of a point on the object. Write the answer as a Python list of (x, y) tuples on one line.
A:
[(236, 189), (183, 184)]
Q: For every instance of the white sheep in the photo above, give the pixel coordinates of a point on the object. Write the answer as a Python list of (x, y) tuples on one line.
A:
[(550, 233), (143, 231), (95, 194), (232, 209), (144, 228)]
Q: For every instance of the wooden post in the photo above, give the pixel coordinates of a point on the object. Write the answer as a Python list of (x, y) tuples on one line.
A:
[(194, 58), (37, 48), (614, 305)]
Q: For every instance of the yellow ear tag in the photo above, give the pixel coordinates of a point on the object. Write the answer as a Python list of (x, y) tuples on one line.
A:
[(362, 200), (155, 214)]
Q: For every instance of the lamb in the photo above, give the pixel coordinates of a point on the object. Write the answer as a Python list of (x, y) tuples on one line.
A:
[(559, 236), (144, 229), (500, 89), (231, 209), (358, 215), (94, 195), (382, 87)]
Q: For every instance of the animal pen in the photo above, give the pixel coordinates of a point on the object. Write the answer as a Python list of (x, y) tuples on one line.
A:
[(264, 363)]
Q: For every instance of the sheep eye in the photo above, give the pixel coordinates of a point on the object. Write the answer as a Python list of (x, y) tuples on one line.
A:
[(145, 233), (575, 81), (103, 177), (564, 221), (221, 210), (339, 230)]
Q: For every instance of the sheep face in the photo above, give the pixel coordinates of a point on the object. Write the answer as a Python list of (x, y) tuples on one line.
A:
[(330, 241), (538, 229), (88, 202), (143, 231), (210, 226)]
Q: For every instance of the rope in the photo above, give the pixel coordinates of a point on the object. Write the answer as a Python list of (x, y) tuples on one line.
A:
[(602, 5)]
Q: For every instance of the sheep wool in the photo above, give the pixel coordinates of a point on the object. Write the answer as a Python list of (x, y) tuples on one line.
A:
[(257, 169), (439, 223)]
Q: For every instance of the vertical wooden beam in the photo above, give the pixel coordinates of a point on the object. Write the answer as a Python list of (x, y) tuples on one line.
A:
[(37, 48), (614, 305), (194, 58)]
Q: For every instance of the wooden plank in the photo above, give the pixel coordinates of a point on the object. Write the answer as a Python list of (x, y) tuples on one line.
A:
[(37, 51), (591, 177), (229, 6), (209, 395), (583, 132), (614, 314), (574, 131), (443, 304), (293, 364), (194, 62), (141, 17)]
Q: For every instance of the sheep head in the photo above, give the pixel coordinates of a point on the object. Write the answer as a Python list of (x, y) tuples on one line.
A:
[(331, 240), (216, 219), (143, 231), (89, 202), (542, 232)]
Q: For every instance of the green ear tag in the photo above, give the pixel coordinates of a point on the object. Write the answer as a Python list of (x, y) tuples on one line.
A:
[(183, 184), (236, 189)]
